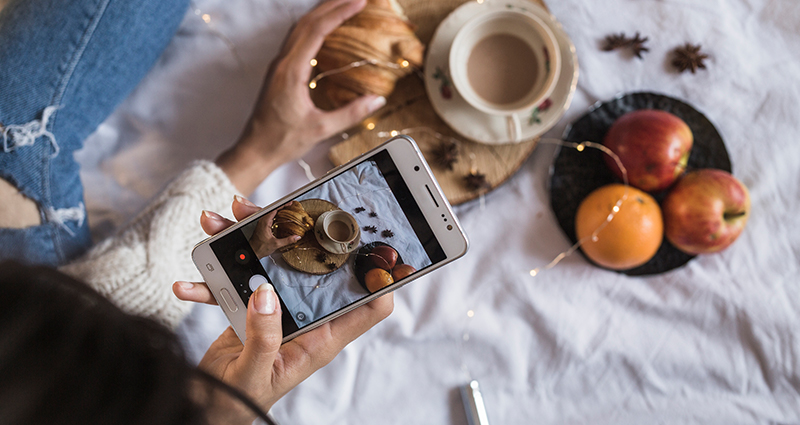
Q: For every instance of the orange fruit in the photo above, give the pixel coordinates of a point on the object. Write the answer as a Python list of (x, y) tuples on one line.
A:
[(631, 238), (376, 279)]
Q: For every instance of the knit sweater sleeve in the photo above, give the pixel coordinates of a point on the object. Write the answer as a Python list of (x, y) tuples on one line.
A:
[(136, 268)]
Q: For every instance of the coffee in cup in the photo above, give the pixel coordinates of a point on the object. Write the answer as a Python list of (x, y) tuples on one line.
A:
[(337, 232), (505, 62)]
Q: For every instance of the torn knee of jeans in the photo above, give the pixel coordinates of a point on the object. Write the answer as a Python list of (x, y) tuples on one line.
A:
[(20, 135), (61, 216), (17, 211)]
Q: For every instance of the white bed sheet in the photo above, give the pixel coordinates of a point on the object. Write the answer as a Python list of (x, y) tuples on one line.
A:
[(713, 342)]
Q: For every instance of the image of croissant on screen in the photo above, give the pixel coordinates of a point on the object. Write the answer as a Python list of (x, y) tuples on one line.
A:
[(381, 32), (291, 220)]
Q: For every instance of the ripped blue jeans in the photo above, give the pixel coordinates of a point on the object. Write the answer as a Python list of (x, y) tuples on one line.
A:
[(64, 66)]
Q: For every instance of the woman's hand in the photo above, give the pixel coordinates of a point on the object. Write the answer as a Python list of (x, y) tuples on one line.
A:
[(285, 123), (263, 241), (262, 368)]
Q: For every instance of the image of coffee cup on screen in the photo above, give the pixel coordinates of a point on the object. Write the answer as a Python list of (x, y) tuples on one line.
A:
[(309, 248)]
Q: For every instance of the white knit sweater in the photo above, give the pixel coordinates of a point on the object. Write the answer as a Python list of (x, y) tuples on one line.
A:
[(136, 268)]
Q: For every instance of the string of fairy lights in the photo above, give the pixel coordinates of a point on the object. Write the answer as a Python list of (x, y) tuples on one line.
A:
[(370, 125)]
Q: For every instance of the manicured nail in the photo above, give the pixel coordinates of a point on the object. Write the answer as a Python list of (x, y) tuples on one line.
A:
[(265, 299), (186, 285), (244, 201), (213, 216), (377, 103)]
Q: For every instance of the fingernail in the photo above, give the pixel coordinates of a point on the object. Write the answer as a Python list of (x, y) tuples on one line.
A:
[(213, 216), (265, 299), (244, 201), (186, 285), (377, 103), (295, 238)]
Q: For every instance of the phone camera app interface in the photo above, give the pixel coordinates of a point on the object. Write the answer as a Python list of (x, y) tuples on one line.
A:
[(331, 246)]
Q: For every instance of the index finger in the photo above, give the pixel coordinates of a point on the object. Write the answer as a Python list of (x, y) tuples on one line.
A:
[(311, 30), (316, 348)]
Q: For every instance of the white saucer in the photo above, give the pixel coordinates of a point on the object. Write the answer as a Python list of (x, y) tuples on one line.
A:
[(472, 123)]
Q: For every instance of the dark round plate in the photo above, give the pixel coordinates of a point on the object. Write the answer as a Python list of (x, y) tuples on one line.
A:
[(573, 174), (362, 265)]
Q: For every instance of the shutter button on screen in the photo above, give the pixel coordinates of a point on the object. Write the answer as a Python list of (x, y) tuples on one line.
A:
[(257, 280), (228, 300)]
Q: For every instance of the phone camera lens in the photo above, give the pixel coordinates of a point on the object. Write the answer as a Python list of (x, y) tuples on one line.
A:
[(416, 168), (449, 227)]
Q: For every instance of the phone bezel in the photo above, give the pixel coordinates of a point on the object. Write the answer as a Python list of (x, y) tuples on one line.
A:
[(424, 190)]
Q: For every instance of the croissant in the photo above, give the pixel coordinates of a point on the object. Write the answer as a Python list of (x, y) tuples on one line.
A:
[(291, 220), (378, 32)]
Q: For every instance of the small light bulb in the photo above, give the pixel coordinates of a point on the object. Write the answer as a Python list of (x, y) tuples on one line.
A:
[(393, 133), (470, 313), (312, 85), (404, 64), (579, 147), (313, 62), (616, 208), (370, 126), (534, 272), (207, 18)]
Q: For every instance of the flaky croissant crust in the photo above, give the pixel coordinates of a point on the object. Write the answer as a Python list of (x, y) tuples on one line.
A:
[(291, 220), (377, 32)]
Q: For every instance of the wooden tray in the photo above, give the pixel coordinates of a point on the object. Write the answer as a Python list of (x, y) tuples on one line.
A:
[(409, 107), (307, 252)]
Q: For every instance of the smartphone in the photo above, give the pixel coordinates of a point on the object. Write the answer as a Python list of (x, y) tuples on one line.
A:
[(367, 227)]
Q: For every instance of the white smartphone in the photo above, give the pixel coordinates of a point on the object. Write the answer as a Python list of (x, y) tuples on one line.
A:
[(367, 228)]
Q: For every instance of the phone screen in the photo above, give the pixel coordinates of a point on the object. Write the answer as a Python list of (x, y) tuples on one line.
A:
[(331, 266)]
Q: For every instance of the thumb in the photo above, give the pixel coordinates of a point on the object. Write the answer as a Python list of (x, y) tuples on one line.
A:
[(354, 112), (264, 332)]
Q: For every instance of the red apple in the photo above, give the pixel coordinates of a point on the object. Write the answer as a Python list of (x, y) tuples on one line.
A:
[(653, 146), (402, 270), (705, 211), (384, 257)]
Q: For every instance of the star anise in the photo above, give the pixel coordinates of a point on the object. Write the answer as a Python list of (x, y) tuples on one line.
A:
[(387, 233), (371, 229), (321, 257), (688, 57), (615, 41), (359, 209), (330, 266), (476, 181), (445, 155), (637, 45), (373, 214)]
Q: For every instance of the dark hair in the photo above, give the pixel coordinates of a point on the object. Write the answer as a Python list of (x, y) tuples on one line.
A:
[(68, 355)]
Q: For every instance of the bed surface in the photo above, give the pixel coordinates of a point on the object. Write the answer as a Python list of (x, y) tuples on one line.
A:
[(713, 342)]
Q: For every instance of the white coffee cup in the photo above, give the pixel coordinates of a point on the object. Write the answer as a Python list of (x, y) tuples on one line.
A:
[(337, 232), (505, 62)]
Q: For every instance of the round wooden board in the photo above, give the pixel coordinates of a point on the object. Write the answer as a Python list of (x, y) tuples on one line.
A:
[(303, 256), (408, 108)]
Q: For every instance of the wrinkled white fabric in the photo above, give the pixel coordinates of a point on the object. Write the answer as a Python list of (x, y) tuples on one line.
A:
[(714, 342)]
